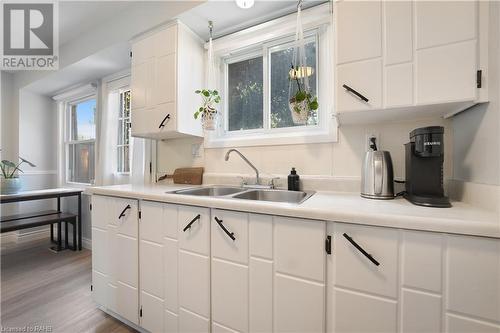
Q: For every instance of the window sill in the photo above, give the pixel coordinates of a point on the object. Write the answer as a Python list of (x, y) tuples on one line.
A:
[(271, 139)]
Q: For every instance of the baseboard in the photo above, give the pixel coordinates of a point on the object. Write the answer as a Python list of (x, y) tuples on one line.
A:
[(8, 237), (33, 235), (87, 243)]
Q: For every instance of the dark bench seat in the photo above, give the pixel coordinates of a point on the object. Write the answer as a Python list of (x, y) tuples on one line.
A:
[(30, 222)]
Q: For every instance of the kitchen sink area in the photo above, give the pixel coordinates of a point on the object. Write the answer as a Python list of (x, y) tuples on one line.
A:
[(249, 193)]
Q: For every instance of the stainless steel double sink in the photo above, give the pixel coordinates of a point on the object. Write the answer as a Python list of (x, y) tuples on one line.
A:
[(233, 192)]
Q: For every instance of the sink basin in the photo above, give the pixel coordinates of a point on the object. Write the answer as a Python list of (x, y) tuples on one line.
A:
[(295, 197), (211, 191)]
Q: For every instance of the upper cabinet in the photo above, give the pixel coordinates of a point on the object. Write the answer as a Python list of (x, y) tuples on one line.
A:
[(403, 58), (167, 67)]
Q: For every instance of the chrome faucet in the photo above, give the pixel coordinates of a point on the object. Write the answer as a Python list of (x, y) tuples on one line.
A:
[(257, 179)]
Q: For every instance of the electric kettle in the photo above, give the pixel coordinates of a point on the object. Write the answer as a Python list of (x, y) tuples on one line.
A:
[(377, 179)]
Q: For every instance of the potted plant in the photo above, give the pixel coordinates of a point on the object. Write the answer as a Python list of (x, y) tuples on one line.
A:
[(302, 103), (10, 182), (207, 110)]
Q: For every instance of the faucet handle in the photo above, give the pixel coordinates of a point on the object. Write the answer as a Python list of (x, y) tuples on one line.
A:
[(272, 182), (243, 182)]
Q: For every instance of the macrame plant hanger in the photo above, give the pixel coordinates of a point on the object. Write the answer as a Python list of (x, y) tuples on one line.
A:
[(209, 120), (301, 101)]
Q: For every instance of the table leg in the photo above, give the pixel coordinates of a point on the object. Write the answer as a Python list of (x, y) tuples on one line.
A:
[(59, 236), (66, 243), (74, 235), (79, 221), (52, 233)]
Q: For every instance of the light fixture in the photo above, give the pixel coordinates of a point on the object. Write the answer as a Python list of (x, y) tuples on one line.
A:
[(245, 4), (301, 72)]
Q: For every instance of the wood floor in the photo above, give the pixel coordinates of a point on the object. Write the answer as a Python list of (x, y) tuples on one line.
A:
[(42, 288)]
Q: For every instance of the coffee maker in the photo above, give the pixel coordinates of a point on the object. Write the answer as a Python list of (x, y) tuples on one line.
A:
[(424, 167)]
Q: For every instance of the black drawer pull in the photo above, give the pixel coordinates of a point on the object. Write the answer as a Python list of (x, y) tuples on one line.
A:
[(230, 234), (188, 226), (360, 249), (361, 97), (122, 214), (162, 124)]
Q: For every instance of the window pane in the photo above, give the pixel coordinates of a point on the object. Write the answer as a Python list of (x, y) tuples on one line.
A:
[(280, 68), (81, 162), (245, 98), (126, 97), (83, 120)]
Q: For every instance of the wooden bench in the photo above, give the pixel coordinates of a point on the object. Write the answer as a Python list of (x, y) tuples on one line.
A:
[(48, 217)]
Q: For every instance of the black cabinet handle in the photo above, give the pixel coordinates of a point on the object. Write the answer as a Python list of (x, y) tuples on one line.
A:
[(360, 249), (361, 97), (230, 234), (162, 124), (122, 214), (188, 226)]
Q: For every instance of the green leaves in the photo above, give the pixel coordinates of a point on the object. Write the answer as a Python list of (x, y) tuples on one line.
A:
[(210, 97), (9, 168)]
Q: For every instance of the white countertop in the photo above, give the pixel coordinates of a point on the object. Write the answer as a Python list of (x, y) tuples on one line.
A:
[(334, 206)]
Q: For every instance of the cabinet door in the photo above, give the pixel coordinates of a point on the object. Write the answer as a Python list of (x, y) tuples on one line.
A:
[(194, 268), (359, 30), (356, 271), (165, 77), (447, 73), (100, 254), (151, 265), (365, 77), (123, 248), (154, 121), (223, 246), (473, 275)]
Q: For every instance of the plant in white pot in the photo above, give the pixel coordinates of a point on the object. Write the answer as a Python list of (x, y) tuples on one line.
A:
[(301, 103), (10, 182), (207, 111)]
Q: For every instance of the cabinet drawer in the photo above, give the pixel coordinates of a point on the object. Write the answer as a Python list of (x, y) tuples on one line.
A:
[(223, 246), (146, 122), (196, 237), (355, 270)]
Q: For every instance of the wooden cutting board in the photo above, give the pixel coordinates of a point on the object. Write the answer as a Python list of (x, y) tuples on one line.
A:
[(192, 176)]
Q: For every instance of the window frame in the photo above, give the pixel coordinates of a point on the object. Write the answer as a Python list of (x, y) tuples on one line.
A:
[(129, 144), (265, 39), (68, 141)]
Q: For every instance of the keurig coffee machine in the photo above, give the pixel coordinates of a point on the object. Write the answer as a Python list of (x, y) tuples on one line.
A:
[(424, 167)]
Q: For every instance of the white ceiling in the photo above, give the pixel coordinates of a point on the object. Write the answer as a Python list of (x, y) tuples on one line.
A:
[(98, 65), (76, 17), (227, 17), (79, 17)]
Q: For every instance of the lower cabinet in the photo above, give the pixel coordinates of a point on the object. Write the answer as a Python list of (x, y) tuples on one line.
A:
[(268, 273), (389, 280), (175, 268), (115, 271)]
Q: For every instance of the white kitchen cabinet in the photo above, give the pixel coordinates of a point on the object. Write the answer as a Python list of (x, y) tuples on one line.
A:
[(174, 268), (405, 57), (359, 30), (425, 281), (167, 67), (271, 277), (115, 255)]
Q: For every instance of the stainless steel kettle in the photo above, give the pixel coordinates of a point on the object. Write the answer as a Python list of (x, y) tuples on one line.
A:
[(377, 179)]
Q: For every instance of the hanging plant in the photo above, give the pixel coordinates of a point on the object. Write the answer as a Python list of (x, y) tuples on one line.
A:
[(302, 102), (207, 111)]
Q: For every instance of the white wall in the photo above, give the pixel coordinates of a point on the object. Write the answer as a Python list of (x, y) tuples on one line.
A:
[(341, 159), (476, 155), (9, 116)]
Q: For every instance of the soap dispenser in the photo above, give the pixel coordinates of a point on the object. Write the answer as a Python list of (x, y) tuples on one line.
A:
[(293, 181)]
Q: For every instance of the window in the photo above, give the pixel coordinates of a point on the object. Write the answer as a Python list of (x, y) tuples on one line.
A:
[(246, 99), (80, 143), (123, 142), (253, 67)]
